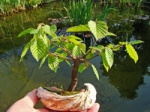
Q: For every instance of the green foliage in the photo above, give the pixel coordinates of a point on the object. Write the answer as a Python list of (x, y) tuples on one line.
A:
[(10, 6), (28, 31), (46, 45), (53, 62), (130, 49), (82, 67), (109, 56), (99, 29), (24, 52), (39, 46), (132, 53), (33, 2), (95, 71), (80, 12), (79, 28)]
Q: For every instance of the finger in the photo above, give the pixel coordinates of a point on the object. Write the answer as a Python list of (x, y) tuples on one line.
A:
[(94, 108), (31, 98)]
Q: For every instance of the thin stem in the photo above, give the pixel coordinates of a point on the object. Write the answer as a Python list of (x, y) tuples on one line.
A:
[(57, 55)]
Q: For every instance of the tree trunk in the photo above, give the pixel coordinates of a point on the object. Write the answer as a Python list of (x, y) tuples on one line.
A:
[(74, 75)]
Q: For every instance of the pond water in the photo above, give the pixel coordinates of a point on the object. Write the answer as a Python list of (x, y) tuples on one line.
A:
[(125, 88)]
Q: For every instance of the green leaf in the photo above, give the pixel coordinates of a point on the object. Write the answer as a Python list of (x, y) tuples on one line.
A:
[(38, 47), (50, 30), (53, 63), (34, 31), (82, 67), (90, 55), (98, 48), (114, 47), (105, 63), (132, 53), (109, 55), (43, 60), (45, 41), (74, 39), (131, 42), (69, 46), (63, 56), (82, 47), (68, 62), (46, 29), (99, 29), (58, 50), (110, 34), (75, 51), (95, 71), (27, 31), (80, 28), (24, 51), (123, 43), (136, 42)]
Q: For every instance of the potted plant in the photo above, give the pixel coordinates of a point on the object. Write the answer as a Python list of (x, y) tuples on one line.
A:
[(47, 46)]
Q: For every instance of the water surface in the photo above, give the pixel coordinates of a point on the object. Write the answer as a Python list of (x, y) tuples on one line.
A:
[(125, 88)]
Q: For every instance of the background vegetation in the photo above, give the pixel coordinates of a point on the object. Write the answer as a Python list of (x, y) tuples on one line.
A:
[(11, 6)]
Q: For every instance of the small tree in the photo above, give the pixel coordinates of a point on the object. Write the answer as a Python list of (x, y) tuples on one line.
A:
[(46, 45)]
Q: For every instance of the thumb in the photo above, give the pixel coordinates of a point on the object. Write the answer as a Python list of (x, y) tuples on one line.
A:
[(45, 110), (94, 108), (31, 98)]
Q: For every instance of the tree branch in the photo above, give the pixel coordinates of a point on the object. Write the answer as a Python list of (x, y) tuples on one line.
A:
[(57, 55)]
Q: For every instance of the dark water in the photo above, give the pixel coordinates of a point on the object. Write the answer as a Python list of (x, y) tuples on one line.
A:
[(125, 88)]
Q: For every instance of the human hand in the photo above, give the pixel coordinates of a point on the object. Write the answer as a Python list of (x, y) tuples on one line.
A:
[(94, 108), (26, 104)]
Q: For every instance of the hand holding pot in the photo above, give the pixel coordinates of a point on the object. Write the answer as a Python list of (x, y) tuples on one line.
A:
[(26, 104)]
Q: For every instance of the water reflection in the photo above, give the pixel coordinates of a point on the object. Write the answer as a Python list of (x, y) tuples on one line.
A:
[(13, 77), (125, 88), (125, 75), (11, 26), (19, 78)]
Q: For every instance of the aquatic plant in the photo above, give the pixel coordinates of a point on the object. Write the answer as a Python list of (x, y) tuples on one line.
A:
[(79, 12), (46, 45), (82, 11), (10, 6)]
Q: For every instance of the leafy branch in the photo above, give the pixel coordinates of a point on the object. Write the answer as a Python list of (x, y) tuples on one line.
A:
[(46, 45)]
